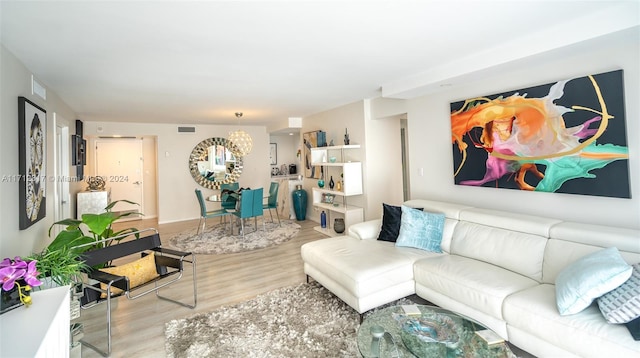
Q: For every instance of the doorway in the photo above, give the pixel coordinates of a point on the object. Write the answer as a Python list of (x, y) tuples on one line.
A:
[(120, 162), (61, 178), (405, 158)]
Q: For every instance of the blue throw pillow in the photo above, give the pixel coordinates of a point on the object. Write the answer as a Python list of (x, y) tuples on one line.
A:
[(422, 230), (588, 278)]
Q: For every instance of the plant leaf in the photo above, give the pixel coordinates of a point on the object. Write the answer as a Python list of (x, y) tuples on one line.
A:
[(98, 223), (113, 203), (70, 223)]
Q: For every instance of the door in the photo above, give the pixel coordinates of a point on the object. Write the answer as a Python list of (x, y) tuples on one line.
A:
[(62, 207), (405, 159), (120, 162)]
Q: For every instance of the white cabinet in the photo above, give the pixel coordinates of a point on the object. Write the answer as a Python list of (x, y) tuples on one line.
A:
[(333, 201), (41, 330), (93, 202)]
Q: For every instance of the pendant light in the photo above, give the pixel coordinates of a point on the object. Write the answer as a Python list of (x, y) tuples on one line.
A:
[(241, 140)]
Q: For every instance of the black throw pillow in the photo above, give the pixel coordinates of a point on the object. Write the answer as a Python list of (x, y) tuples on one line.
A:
[(391, 216), (634, 328)]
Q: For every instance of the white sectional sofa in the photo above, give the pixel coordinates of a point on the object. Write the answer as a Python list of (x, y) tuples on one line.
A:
[(496, 267)]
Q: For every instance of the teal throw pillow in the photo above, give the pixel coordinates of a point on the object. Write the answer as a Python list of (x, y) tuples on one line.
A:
[(588, 278), (420, 229)]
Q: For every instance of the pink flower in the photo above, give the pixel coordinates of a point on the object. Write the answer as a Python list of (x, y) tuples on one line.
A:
[(31, 276), (9, 275), (17, 269)]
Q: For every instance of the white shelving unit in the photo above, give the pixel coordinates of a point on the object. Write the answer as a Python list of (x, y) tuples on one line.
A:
[(351, 186)]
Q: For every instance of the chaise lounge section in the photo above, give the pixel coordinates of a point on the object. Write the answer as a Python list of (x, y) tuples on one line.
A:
[(496, 267)]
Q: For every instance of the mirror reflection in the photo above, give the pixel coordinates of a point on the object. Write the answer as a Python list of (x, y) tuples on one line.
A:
[(212, 163)]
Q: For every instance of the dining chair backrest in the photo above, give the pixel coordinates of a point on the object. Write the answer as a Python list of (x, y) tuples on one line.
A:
[(203, 206), (273, 194), (245, 209), (228, 201), (257, 202)]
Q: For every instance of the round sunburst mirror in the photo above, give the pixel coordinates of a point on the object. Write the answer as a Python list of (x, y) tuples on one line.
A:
[(212, 162)]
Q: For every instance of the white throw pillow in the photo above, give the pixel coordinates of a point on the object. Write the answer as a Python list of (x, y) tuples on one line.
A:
[(588, 278)]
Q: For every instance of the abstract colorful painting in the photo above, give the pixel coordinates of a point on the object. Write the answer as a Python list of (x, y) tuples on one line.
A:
[(562, 137), (310, 140)]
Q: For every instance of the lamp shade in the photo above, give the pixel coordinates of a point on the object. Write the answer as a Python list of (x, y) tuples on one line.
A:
[(242, 142)]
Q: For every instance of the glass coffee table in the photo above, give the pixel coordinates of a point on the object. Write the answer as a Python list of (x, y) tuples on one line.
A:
[(431, 332)]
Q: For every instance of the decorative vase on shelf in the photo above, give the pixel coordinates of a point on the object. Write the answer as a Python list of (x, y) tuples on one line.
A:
[(320, 183), (339, 185), (299, 197), (331, 183), (323, 219), (338, 225)]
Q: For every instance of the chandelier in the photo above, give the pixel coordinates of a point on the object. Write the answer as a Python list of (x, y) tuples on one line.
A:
[(241, 140)]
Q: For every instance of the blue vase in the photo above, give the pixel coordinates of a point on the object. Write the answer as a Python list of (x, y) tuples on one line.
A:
[(323, 219), (299, 197)]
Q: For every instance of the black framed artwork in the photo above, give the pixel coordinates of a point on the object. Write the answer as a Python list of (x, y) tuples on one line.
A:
[(78, 154), (32, 127)]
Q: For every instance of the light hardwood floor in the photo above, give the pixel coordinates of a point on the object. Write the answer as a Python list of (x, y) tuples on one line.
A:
[(138, 325)]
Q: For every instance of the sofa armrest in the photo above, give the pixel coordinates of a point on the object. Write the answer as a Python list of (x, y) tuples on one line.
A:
[(367, 230)]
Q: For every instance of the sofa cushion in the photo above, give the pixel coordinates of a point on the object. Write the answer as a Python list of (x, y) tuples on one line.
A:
[(570, 241), (391, 216), (585, 334), (362, 267), (513, 250), (589, 278), (622, 304), (471, 282), (422, 230)]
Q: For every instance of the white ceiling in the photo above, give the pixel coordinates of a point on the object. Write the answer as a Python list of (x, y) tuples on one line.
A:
[(200, 62)]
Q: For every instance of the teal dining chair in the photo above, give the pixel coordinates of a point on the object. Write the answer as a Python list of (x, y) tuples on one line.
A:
[(228, 201), (204, 214), (272, 202), (249, 200)]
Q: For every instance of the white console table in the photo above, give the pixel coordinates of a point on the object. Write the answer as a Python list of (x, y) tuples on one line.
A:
[(40, 330)]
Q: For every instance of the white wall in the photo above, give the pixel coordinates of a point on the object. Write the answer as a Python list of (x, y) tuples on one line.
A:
[(430, 138), (383, 154), (15, 81), (176, 198)]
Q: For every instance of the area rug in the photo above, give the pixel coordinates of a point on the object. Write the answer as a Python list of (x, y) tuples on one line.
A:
[(216, 238), (298, 321)]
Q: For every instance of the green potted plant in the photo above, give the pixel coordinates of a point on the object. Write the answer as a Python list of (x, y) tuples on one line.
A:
[(61, 259), (62, 266), (99, 228)]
